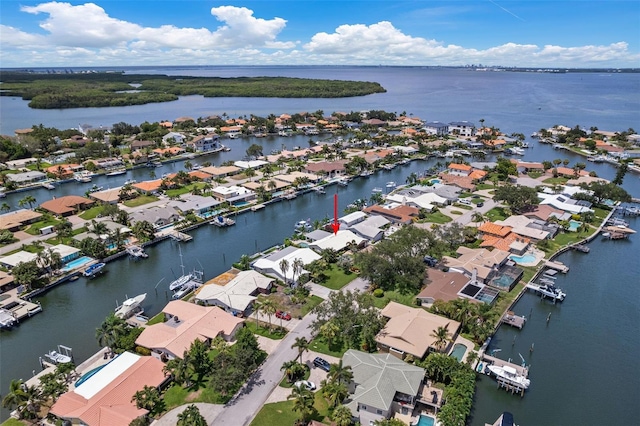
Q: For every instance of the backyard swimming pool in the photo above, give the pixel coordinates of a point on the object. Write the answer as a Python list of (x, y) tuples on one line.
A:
[(76, 263), (574, 225), (458, 351), (526, 258), (425, 421)]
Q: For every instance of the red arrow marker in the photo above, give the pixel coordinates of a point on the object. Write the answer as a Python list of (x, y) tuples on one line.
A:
[(335, 225)]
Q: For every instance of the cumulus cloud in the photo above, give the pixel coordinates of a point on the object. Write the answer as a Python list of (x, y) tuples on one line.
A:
[(87, 34)]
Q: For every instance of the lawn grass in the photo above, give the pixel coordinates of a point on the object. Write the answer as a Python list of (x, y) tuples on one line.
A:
[(281, 413), (141, 200), (91, 213), (337, 278), (319, 344), (34, 228), (456, 212), (159, 318), (276, 333), (404, 299), (436, 217), (506, 299), (176, 396), (175, 192), (496, 213), (462, 206), (482, 186), (12, 422), (312, 302), (556, 181)]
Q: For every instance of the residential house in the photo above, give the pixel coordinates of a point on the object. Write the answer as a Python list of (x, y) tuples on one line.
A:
[(533, 229), (195, 203), (205, 143), (328, 168), (544, 212), (238, 295), (501, 237), (436, 128), (157, 216), (185, 323), (25, 178), (12, 260), (479, 263), (563, 202), (394, 212), (148, 186), (382, 385), (233, 194), (410, 331), (371, 228), (221, 172), (462, 128), (441, 285), (352, 218), (339, 241), (64, 171), (13, 221), (142, 145), (173, 136), (459, 169), (252, 164), (67, 253), (270, 264), (67, 205), (106, 397)]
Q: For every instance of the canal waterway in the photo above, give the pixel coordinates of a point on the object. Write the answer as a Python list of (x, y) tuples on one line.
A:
[(583, 367)]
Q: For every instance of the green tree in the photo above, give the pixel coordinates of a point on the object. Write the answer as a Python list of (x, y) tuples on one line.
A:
[(26, 273), (269, 309), (198, 360), (191, 417), (111, 329), (334, 392), (442, 337), (254, 151), (342, 416), (302, 402), (149, 399), (620, 173), (302, 345), (17, 397), (27, 200), (284, 268), (519, 198), (339, 373), (5, 207)]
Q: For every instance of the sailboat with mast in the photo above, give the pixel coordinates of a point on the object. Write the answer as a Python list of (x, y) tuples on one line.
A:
[(179, 282)]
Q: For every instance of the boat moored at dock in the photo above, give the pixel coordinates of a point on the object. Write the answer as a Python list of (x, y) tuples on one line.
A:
[(222, 221), (94, 270), (130, 306)]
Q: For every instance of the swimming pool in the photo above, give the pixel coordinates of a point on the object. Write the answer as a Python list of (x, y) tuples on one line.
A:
[(526, 258), (76, 263), (574, 225), (434, 181), (425, 420), (458, 351)]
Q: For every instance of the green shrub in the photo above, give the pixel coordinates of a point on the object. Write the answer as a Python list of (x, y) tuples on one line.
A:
[(378, 292)]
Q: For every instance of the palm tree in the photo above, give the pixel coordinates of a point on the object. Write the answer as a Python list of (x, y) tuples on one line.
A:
[(29, 199), (178, 368), (188, 165), (16, 397), (342, 415), (302, 344), (191, 417), (303, 402), (110, 330), (330, 331), (149, 399), (5, 207), (269, 309), (99, 228), (250, 173), (339, 373), (441, 334), (289, 368), (334, 392), (257, 308), (284, 267), (298, 266)]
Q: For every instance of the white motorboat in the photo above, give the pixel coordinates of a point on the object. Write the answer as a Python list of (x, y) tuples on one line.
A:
[(391, 185), (117, 172), (94, 269), (130, 306), (57, 357), (510, 375), (48, 186), (549, 290), (7, 318), (366, 173), (222, 221), (136, 252), (83, 177)]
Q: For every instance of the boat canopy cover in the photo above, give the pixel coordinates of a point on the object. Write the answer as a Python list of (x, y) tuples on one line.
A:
[(507, 419)]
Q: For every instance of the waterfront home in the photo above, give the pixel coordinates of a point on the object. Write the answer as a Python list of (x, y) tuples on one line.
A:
[(394, 212), (106, 397), (270, 264), (221, 172), (527, 166), (195, 203), (169, 152), (293, 177), (184, 323), (67, 253), (148, 187), (534, 229), (238, 295), (233, 194), (67, 205), (15, 220), (567, 172), (371, 229), (64, 171), (173, 137), (271, 185), (205, 143), (463, 182), (352, 218), (339, 241), (494, 144), (410, 331), (108, 196), (461, 128), (436, 128), (316, 235), (26, 178), (7, 281), (141, 145), (563, 202), (107, 163), (379, 154), (481, 264), (382, 385), (251, 164), (157, 216), (328, 168), (20, 163)]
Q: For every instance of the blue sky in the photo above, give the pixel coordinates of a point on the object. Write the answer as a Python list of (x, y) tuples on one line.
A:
[(544, 33)]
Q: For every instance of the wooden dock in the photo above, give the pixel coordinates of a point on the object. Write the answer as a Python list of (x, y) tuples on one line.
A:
[(558, 266), (513, 320), (180, 236)]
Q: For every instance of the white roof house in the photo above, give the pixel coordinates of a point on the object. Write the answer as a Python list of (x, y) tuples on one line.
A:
[(16, 258), (238, 294), (562, 202), (422, 201), (232, 193), (337, 242), (66, 252), (254, 164), (196, 203), (270, 265), (520, 225), (352, 218)]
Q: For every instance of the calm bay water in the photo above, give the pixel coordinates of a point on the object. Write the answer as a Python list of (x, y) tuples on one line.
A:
[(583, 367)]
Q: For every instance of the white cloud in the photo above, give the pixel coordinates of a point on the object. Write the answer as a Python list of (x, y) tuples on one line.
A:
[(88, 35)]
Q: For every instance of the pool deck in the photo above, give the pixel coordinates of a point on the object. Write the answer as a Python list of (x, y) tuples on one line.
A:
[(538, 257)]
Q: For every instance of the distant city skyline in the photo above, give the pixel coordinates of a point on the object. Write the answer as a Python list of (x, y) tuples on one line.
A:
[(546, 34)]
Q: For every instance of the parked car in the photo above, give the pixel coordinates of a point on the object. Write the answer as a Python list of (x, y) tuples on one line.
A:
[(307, 384), (431, 261), (283, 315), (480, 204), (322, 364), (464, 201)]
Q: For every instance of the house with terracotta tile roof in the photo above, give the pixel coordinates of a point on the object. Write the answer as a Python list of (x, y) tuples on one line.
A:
[(140, 145), (184, 323), (545, 211), (67, 205), (105, 398), (501, 237), (221, 172), (462, 182), (394, 212), (64, 171), (13, 221), (566, 171), (441, 285), (459, 169), (409, 331), (331, 168), (495, 143), (148, 186)]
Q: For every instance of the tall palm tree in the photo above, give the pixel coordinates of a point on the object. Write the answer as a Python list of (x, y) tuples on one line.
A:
[(302, 344), (17, 396), (257, 308), (342, 415), (269, 309), (191, 417), (289, 368), (284, 267), (302, 402), (298, 266), (334, 392), (339, 373), (27, 200), (5, 207)]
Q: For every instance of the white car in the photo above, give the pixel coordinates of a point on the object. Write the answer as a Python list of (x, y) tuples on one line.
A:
[(309, 385)]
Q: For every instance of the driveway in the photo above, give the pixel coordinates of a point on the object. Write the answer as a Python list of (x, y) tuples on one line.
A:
[(208, 411)]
